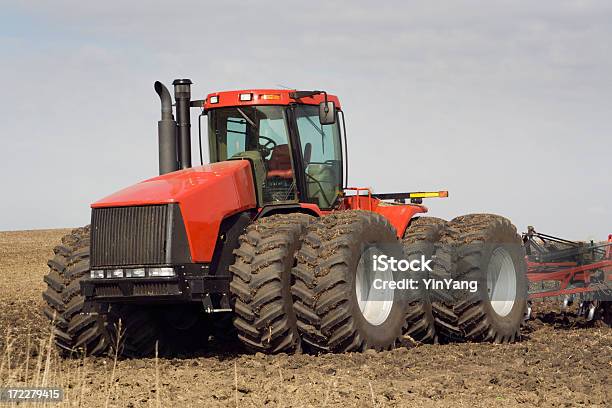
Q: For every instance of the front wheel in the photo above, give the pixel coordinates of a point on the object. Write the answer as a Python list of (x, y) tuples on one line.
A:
[(75, 332), (261, 282)]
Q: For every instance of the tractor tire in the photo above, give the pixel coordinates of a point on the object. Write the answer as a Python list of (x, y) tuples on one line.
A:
[(169, 330), (75, 332), (261, 283), (419, 240), (604, 312), (184, 328), (331, 270), (138, 331), (222, 330), (486, 249)]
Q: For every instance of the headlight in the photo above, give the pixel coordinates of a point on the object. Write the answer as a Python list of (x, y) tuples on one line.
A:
[(161, 272), (135, 273), (116, 273), (97, 274)]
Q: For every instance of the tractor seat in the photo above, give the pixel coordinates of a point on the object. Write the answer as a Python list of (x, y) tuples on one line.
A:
[(279, 164)]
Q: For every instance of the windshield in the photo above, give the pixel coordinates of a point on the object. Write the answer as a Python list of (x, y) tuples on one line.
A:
[(259, 134), (247, 128)]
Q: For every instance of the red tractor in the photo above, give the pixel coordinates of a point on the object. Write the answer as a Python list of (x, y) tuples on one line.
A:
[(270, 237)]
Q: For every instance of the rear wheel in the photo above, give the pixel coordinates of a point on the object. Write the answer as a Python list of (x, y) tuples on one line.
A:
[(134, 331), (484, 257), (184, 328), (419, 240), (170, 330), (74, 331), (607, 312), (337, 308), (603, 311), (261, 283)]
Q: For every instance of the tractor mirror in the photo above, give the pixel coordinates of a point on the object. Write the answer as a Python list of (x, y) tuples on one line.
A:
[(327, 113)]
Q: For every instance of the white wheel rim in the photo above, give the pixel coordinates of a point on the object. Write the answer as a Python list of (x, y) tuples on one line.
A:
[(501, 281), (374, 304)]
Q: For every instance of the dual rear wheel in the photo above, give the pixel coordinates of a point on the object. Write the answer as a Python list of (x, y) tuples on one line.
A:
[(476, 289)]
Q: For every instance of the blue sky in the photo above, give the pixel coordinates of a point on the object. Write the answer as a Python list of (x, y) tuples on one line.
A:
[(506, 104)]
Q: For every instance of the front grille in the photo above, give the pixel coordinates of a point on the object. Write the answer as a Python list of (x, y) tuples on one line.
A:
[(156, 288), (108, 290), (123, 236)]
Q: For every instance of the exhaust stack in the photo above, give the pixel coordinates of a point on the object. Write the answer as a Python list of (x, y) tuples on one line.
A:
[(166, 130), (182, 96)]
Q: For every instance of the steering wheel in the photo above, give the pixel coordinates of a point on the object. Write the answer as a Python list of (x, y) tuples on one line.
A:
[(266, 148)]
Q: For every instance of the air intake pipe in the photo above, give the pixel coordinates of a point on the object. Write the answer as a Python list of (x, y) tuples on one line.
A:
[(182, 96), (166, 130)]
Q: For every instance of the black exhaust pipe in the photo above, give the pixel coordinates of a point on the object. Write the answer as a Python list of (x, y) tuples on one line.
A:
[(166, 130), (182, 96)]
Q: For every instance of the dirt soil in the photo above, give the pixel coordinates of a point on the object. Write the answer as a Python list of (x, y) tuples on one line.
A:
[(560, 361)]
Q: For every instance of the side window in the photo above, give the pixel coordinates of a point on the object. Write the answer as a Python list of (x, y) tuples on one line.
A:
[(321, 138), (322, 153), (236, 136)]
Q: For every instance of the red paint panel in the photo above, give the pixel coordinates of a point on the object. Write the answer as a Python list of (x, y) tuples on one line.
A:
[(399, 215), (232, 98), (206, 195), (314, 208)]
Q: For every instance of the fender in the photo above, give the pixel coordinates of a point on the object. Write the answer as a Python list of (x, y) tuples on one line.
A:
[(399, 215), (206, 195)]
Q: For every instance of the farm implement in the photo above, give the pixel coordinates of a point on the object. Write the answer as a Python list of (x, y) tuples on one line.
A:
[(570, 271)]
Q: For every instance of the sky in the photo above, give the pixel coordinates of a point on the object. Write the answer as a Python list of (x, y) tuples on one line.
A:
[(506, 104)]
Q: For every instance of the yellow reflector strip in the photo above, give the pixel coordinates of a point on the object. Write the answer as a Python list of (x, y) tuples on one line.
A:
[(429, 194), (270, 97)]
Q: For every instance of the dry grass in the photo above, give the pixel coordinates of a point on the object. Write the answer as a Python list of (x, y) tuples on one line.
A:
[(73, 374)]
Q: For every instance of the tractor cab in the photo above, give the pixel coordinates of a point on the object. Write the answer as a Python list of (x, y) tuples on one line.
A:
[(291, 138)]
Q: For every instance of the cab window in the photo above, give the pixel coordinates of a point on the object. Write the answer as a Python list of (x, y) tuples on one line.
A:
[(322, 154), (259, 134)]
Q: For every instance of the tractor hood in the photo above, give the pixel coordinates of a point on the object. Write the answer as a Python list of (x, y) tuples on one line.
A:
[(232, 178), (206, 195)]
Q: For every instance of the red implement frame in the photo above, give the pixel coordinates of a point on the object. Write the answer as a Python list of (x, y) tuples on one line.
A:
[(572, 278)]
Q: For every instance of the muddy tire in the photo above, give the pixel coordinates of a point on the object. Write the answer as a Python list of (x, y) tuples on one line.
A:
[(261, 283), (170, 329), (419, 240), (137, 329), (328, 275), (75, 332), (486, 249), (604, 312), (184, 328)]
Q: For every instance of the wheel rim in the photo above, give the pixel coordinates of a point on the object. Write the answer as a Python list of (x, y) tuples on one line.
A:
[(374, 304), (501, 281)]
